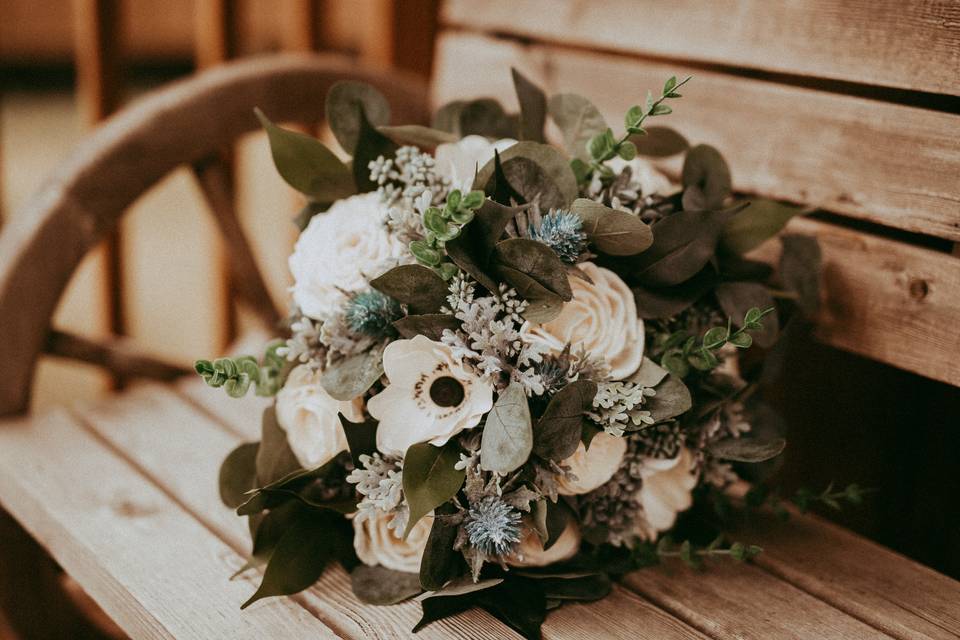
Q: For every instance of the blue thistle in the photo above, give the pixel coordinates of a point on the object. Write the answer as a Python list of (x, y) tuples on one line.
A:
[(493, 526), (371, 313), (562, 231)]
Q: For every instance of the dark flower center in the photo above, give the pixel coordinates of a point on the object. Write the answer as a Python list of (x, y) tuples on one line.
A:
[(446, 392)]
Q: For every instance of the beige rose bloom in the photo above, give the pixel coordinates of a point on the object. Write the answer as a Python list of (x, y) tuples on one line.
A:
[(309, 416), (530, 551), (601, 318), (667, 490), (377, 544), (594, 466)]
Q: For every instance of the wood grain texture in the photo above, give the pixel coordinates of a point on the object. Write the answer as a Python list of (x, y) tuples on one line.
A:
[(890, 164), (914, 45), (152, 567), (42, 246)]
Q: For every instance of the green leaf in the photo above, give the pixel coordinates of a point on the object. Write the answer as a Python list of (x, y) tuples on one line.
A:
[(371, 144), (627, 150), (458, 596), (429, 478), (661, 110), (578, 120), (533, 107), (447, 118), (430, 325), (416, 286), (471, 250), (274, 459), (558, 431), (352, 376), (361, 437), (583, 588), (525, 181), (553, 163), (715, 337), (486, 117), (426, 254), (382, 586), (345, 100), (307, 165), (763, 219), (706, 179), (669, 84), (300, 558), (507, 434), (738, 298), (650, 374), (440, 561), (660, 142), (747, 449), (656, 302), (532, 268), (417, 135), (614, 232), (238, 474), (672, 399)]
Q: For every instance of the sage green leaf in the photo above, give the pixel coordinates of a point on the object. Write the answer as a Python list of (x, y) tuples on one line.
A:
[(582, 588), (302, 553), (525, 181), (352, 376), (238, 474), (533, 107), (507, 434), (532, 268), (660, 142), (747, 449), (553, 163), (417, 135), (447, 117), (275, 459), (650, 374), (672, 399), (361, 437), (706, 179), (558, 431), (578, 120), (800, 271), (307, 165), (614, 232), (345, 100), (371, 144), (379, 585), (763, 219), (418, 287), (486, 117), (430, 325), (439, 561), (737, 298), (429, 478)]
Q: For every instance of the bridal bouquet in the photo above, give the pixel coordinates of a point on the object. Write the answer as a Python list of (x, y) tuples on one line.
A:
[(512, 368)]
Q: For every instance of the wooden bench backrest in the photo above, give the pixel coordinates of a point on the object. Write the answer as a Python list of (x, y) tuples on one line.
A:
[(850, 107)]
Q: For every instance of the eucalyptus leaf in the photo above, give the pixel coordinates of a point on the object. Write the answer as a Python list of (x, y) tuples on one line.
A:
[(558, 431), (307, 165), (532, 268), (418, 287), (650, 374), (417, 135), (361, 437), (665, 302), (471, 250), (533, 107), (747, 449), (706, 179), (554, 164), (429, 478), (486, 117), (439, 561), (371, 144), (430, 325), (672, 399), (238, 474), (763, 219), (736, 298), (508, 433), (351, 377), (660, 142), (614, 232), (578, 120), (382, 586), (345, 100), (526, 181), (447, 117)]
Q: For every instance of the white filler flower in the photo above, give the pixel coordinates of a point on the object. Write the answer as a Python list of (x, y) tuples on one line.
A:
[(601, 319), (377, 544), (430, 398), (339, 251), (309, 416), (594, 466), (667, 490), (459, 161)]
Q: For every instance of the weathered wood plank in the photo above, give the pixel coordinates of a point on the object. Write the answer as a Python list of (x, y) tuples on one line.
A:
[(156, 570), (913, 45), (886, 163)]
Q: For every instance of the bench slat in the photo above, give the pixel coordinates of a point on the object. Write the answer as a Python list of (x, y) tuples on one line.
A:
[(886, 163), (914, 45), (150, 565)]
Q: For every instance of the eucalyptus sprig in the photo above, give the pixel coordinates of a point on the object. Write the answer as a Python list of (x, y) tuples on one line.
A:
[(683, 351), (237, 374), (805, 498), (443, 225), (692, 555)]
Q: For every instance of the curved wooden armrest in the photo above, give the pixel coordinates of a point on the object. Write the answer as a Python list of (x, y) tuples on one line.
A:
[(182, 124)]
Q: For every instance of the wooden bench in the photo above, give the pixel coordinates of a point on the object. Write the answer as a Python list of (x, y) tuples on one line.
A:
[(123, 493)]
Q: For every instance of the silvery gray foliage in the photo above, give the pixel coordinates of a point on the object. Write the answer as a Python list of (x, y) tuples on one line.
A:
[(379, 480)]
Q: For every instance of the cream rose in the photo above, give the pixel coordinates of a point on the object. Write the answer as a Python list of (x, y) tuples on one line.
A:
[(430, 398), (459, 161), (666, 490), (309, 416), (601, 319), (530, 551), (594, 466), (336, 253), (377, 544)]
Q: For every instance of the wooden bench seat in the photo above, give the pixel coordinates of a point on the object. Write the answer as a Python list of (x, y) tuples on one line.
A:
[(149, 539)]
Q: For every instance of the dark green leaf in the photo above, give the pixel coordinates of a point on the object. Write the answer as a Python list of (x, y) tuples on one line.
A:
[(418, 287), (558, 431), (578, 120), (352, 376), (417, 135), (747, 449), (763, 219), (440, 561), (533, 107), (507, 434), (460, 595), (430, 325), (586, 588), (371, 144), (429, 478), (555, 166), (672, 399), (706, 179), (343, 107), (275, 459), (736, 298), (379, 585), (614, 232), (307, 165), (532, 268), (669, 301), (447, 117), (361, 437), (519, 603), (471, 250), (499, 188), (526, 182), (660, 142), (485, 117), (800, 270), (238, 474)]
